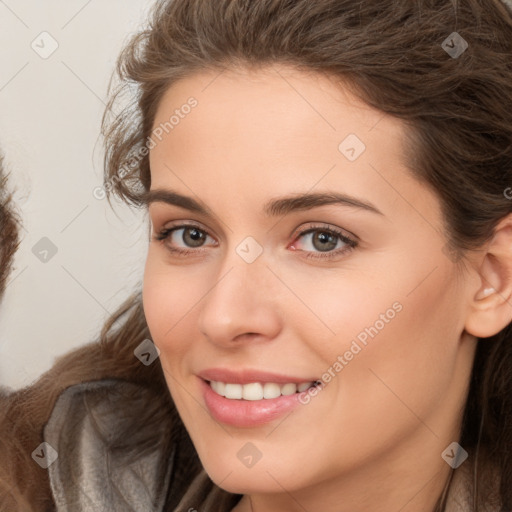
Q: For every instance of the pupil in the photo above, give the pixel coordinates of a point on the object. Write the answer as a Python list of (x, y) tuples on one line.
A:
[(324, 238), (195, 235)]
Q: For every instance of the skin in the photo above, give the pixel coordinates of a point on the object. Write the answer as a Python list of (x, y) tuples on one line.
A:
[(372, 438)]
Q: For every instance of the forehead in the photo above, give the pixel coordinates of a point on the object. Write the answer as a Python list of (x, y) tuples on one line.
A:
[(302, 102), (274, 113)]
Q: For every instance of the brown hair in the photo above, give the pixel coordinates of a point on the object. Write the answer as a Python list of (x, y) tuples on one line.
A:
[(8, 229), (458, 111)]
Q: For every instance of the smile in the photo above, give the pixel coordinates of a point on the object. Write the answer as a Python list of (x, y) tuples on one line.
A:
[(257, 390)]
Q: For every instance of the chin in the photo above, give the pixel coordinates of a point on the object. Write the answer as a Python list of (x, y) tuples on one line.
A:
[(264, 477), (245, 481)]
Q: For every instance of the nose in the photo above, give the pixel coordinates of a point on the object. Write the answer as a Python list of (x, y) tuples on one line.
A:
[(242, 304)]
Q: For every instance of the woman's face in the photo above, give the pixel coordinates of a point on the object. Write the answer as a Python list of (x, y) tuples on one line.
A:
[(349, 286)]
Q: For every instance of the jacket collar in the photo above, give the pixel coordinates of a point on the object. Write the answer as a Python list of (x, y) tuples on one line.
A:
[(95, 434)]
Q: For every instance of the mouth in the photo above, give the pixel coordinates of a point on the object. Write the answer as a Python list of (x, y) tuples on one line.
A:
[(258, 390), (251, 399)]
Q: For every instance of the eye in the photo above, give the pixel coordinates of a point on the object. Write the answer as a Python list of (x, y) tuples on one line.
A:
[(190, 235), (330, 242)]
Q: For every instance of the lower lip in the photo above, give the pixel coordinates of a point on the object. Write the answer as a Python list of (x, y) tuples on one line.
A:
[(247, 413)]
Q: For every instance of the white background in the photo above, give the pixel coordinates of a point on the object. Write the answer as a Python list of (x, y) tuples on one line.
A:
[(50, 112)]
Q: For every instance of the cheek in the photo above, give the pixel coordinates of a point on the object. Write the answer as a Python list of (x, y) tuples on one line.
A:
[(409, 363), (335, 310), (163, 296), (154, 300), (165, 303), (171, 299), (398, 344)]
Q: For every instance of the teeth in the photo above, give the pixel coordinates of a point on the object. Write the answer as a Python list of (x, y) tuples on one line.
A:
[(256, 390), (302, 387), (289, 389), (252, 391), (233, 391), (218, 387), (271, 390)]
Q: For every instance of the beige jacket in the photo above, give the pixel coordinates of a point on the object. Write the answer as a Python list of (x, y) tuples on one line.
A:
[(107, 462)]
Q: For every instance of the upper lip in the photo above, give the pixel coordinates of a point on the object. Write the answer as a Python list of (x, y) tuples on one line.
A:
[(248, 376)]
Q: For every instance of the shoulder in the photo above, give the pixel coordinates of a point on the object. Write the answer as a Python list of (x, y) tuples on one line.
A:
[(108, 446)]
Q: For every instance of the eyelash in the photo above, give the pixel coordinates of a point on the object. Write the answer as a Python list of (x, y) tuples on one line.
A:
[(328, 255)]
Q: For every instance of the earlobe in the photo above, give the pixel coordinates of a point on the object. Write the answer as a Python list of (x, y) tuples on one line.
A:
[(491, 305)]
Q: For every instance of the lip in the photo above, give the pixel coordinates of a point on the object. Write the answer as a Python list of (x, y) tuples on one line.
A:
[(246, 413), (247, 376)]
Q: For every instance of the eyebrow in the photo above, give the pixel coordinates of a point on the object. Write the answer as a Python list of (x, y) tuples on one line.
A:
[(273, 208)]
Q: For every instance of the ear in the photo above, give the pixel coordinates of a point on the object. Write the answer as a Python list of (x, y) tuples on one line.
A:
[(490, 309)]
